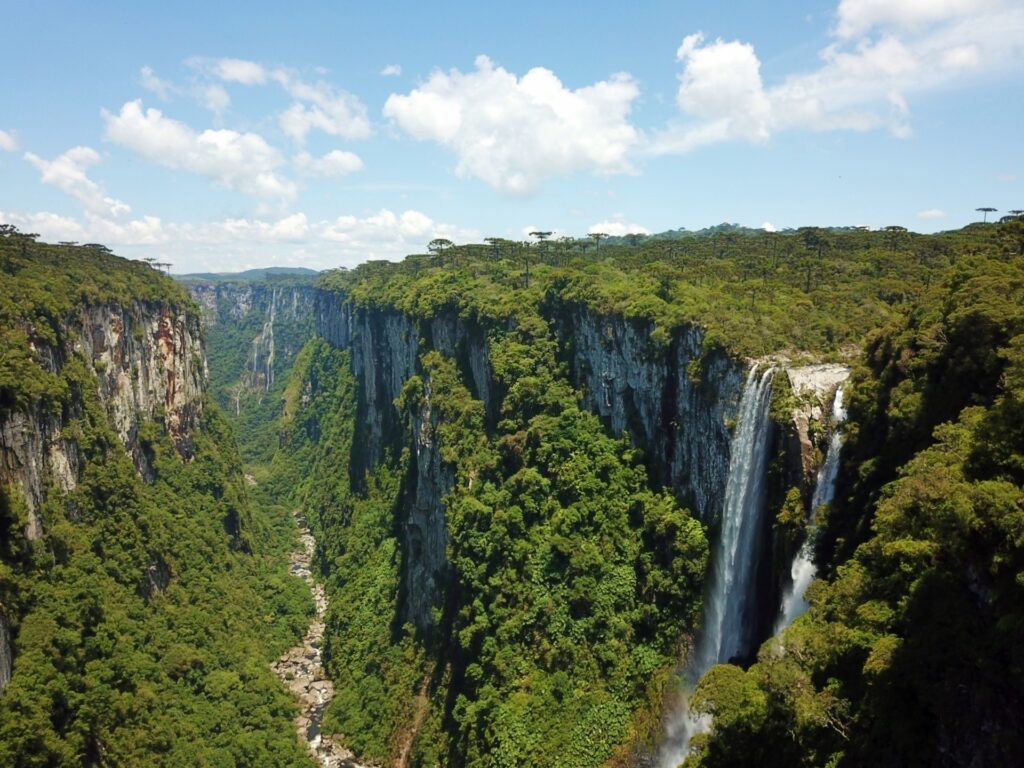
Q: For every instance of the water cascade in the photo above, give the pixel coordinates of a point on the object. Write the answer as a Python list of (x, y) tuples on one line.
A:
[(803, 570), (265, 339), (731, 584)]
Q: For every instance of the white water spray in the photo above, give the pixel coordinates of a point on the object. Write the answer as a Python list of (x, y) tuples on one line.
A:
[(725, 631), (803, 570)]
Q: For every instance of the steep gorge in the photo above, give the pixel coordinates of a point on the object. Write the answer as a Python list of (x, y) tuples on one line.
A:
[(126, 530), (675, 401)]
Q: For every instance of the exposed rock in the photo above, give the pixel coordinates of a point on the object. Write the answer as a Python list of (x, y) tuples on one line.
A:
[(426, 529), (385, 347), (301, 669), (148, 363), (6, 657), (284, 313), (675, 401), (32, 453), (156, 578), (814, 387)]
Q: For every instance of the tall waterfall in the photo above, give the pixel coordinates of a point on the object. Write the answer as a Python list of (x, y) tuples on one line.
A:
[(803, 570), (726, 627)]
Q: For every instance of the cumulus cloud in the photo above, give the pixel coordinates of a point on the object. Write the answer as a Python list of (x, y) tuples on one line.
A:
[(214, 98), (53, 227), (323, 107), (856, 17), (67, 172), (333, 164), (931, 213), (617, 226), (239, 71), (721, 85), (315, 106), (244, 242), (391, 70), (769, 227), (7, 141), (240, 161), (210, 95), (881, 53), (514, 132), (149, 80)]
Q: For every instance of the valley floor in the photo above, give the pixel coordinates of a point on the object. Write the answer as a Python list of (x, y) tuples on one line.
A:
[(301, 668)]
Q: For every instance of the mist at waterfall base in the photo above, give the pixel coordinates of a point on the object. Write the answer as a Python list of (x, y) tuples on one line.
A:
[(725, 634), (803, 570)]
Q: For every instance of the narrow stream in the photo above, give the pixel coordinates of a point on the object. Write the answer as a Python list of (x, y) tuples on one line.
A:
[(301, 668)]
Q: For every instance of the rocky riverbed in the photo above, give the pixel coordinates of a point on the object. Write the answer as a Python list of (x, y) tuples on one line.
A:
[(301, 668)]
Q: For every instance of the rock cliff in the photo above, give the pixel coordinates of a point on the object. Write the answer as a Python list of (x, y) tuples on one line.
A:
[(148, 364), (675, 401), (273, 319)]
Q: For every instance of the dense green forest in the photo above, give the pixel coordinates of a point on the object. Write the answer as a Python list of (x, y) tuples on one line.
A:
[(911, 652), (571, 575), (574, 580), (144, 619), (237, 315)]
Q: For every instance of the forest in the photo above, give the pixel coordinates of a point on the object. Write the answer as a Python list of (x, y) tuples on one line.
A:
[(572, 583), (512, 457)]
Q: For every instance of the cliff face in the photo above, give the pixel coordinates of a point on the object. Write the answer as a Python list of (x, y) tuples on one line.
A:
[(675, 402), (274, 322), (6, 657), (385, 347), (148, 363)]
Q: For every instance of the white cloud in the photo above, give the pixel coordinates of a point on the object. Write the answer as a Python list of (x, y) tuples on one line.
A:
[(322, 107), (721, 85), (53, 227), (334, 164), (857, 17), (215, 98), (315, 106), (67, 172), (241, 243), (7, 141), (863, 81), (240, 161), (391, 70), (239, 71), (149, 80), (931, 213), (514, 132), (769, 227), (617, 226), (210, 95)]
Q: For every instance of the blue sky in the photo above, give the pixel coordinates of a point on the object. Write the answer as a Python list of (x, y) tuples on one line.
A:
[(228, 135)]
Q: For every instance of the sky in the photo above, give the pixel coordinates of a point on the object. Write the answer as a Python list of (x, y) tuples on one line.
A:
[(219, 136)]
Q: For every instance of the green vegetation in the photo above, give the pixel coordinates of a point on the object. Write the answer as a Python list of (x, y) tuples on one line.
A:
[(239, 317), (572, 580), (911, 652), (145, 619), (811, 291)]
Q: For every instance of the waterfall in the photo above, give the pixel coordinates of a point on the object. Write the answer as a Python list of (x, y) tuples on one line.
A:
[(803, 570), (725, 633), (268, 335)]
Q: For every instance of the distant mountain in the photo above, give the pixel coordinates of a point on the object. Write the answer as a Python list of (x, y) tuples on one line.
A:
[(261, 273)]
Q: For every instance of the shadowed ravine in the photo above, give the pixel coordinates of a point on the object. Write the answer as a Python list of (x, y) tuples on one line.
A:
[(301, 668)]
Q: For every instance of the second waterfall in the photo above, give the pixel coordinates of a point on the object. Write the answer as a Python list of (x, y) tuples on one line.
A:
[(725, 632)]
